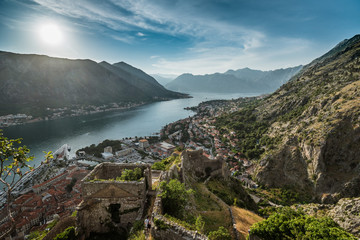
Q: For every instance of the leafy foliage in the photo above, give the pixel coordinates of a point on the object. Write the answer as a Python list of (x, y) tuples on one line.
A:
[(247, 128), (13, 158), (131, 175), (174, 196), (199, 224), (285, 196), (165, 164), (160, 224), (220, 234), (231, 192), (287, 223), (67, 234)]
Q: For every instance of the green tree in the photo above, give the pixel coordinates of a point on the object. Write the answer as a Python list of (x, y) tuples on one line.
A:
[(220, 234), (174, 196), (14, 159)]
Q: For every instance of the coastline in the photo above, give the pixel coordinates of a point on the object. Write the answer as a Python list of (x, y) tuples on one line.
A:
[(10, 120)]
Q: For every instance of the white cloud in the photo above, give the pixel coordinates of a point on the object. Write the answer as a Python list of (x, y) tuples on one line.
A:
[(267, 55), (125, 39), (217, 45)]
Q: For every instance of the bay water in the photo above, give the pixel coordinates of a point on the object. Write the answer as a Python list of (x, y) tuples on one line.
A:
[(81, 131)]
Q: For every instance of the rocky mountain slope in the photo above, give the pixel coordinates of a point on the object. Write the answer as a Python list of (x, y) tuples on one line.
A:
[(345, 213), (28, 81), (240, 81), (309, 138)]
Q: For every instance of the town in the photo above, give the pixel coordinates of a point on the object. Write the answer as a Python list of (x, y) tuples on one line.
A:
[(53, 189), (57, 113)]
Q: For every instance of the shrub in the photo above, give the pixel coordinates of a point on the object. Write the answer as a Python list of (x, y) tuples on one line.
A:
[(199, 224), (68, 234), (131, 175), (34, 235), (287, 223), (158, 166), (174, 196), (160, 224), (220, 234)]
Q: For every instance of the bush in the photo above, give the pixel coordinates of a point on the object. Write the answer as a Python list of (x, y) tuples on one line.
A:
[(34, 235), (159, 166), (199, 224), (68, 234), (131, 175), (220, 234), (165, 164), (287, 223), (174, 196)]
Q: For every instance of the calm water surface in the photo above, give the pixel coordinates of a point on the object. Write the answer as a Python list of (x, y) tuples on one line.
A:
[(82, 131)]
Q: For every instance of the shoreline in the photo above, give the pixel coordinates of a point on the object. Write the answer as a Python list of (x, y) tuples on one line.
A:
[(11, 120)]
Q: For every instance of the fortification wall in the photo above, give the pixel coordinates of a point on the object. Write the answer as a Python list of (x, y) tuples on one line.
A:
[(127, 188), (196, 164), (165, 229), (111, 205)]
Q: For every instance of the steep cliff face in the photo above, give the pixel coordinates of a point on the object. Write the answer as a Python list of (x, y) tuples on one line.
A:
[(317, 117)]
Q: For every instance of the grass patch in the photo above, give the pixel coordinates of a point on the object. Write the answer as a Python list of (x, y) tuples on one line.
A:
[(244, 219), (231, 192)]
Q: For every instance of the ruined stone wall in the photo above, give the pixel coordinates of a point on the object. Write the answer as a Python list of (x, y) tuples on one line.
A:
[(195, 163), (111, 205), (169, 230), (102, 216), (130, 187), (114, 170)]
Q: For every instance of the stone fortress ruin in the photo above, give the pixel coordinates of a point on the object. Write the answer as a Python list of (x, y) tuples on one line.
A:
[(113, 205), (110, 204)]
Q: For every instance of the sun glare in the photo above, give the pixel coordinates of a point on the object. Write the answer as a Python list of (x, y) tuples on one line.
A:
[(51, 34)]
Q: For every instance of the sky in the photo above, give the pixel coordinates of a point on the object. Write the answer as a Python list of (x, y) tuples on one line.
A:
[(172, 37)]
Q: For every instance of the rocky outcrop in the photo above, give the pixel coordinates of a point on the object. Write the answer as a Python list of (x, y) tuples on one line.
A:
[(345, 213)]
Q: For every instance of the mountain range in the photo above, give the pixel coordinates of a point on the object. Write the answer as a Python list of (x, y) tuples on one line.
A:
[(29, 81), (244, 80)]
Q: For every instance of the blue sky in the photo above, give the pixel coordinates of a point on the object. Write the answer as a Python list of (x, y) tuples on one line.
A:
[(174, 37)]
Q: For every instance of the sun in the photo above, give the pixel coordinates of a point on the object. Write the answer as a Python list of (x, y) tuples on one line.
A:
[(51, 34)]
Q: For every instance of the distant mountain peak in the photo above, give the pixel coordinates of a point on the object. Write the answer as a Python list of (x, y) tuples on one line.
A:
[(243, 80)]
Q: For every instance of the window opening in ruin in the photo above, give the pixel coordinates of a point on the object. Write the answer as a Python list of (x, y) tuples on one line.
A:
[(114, 210)]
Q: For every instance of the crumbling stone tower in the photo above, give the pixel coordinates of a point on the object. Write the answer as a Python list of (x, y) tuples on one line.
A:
[(194, 162), (110, 205)]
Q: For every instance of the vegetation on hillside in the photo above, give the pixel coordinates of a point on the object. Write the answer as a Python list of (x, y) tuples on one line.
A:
[(231, 192), (287, 223), (166, 163), (174, 197), (248, 129)]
